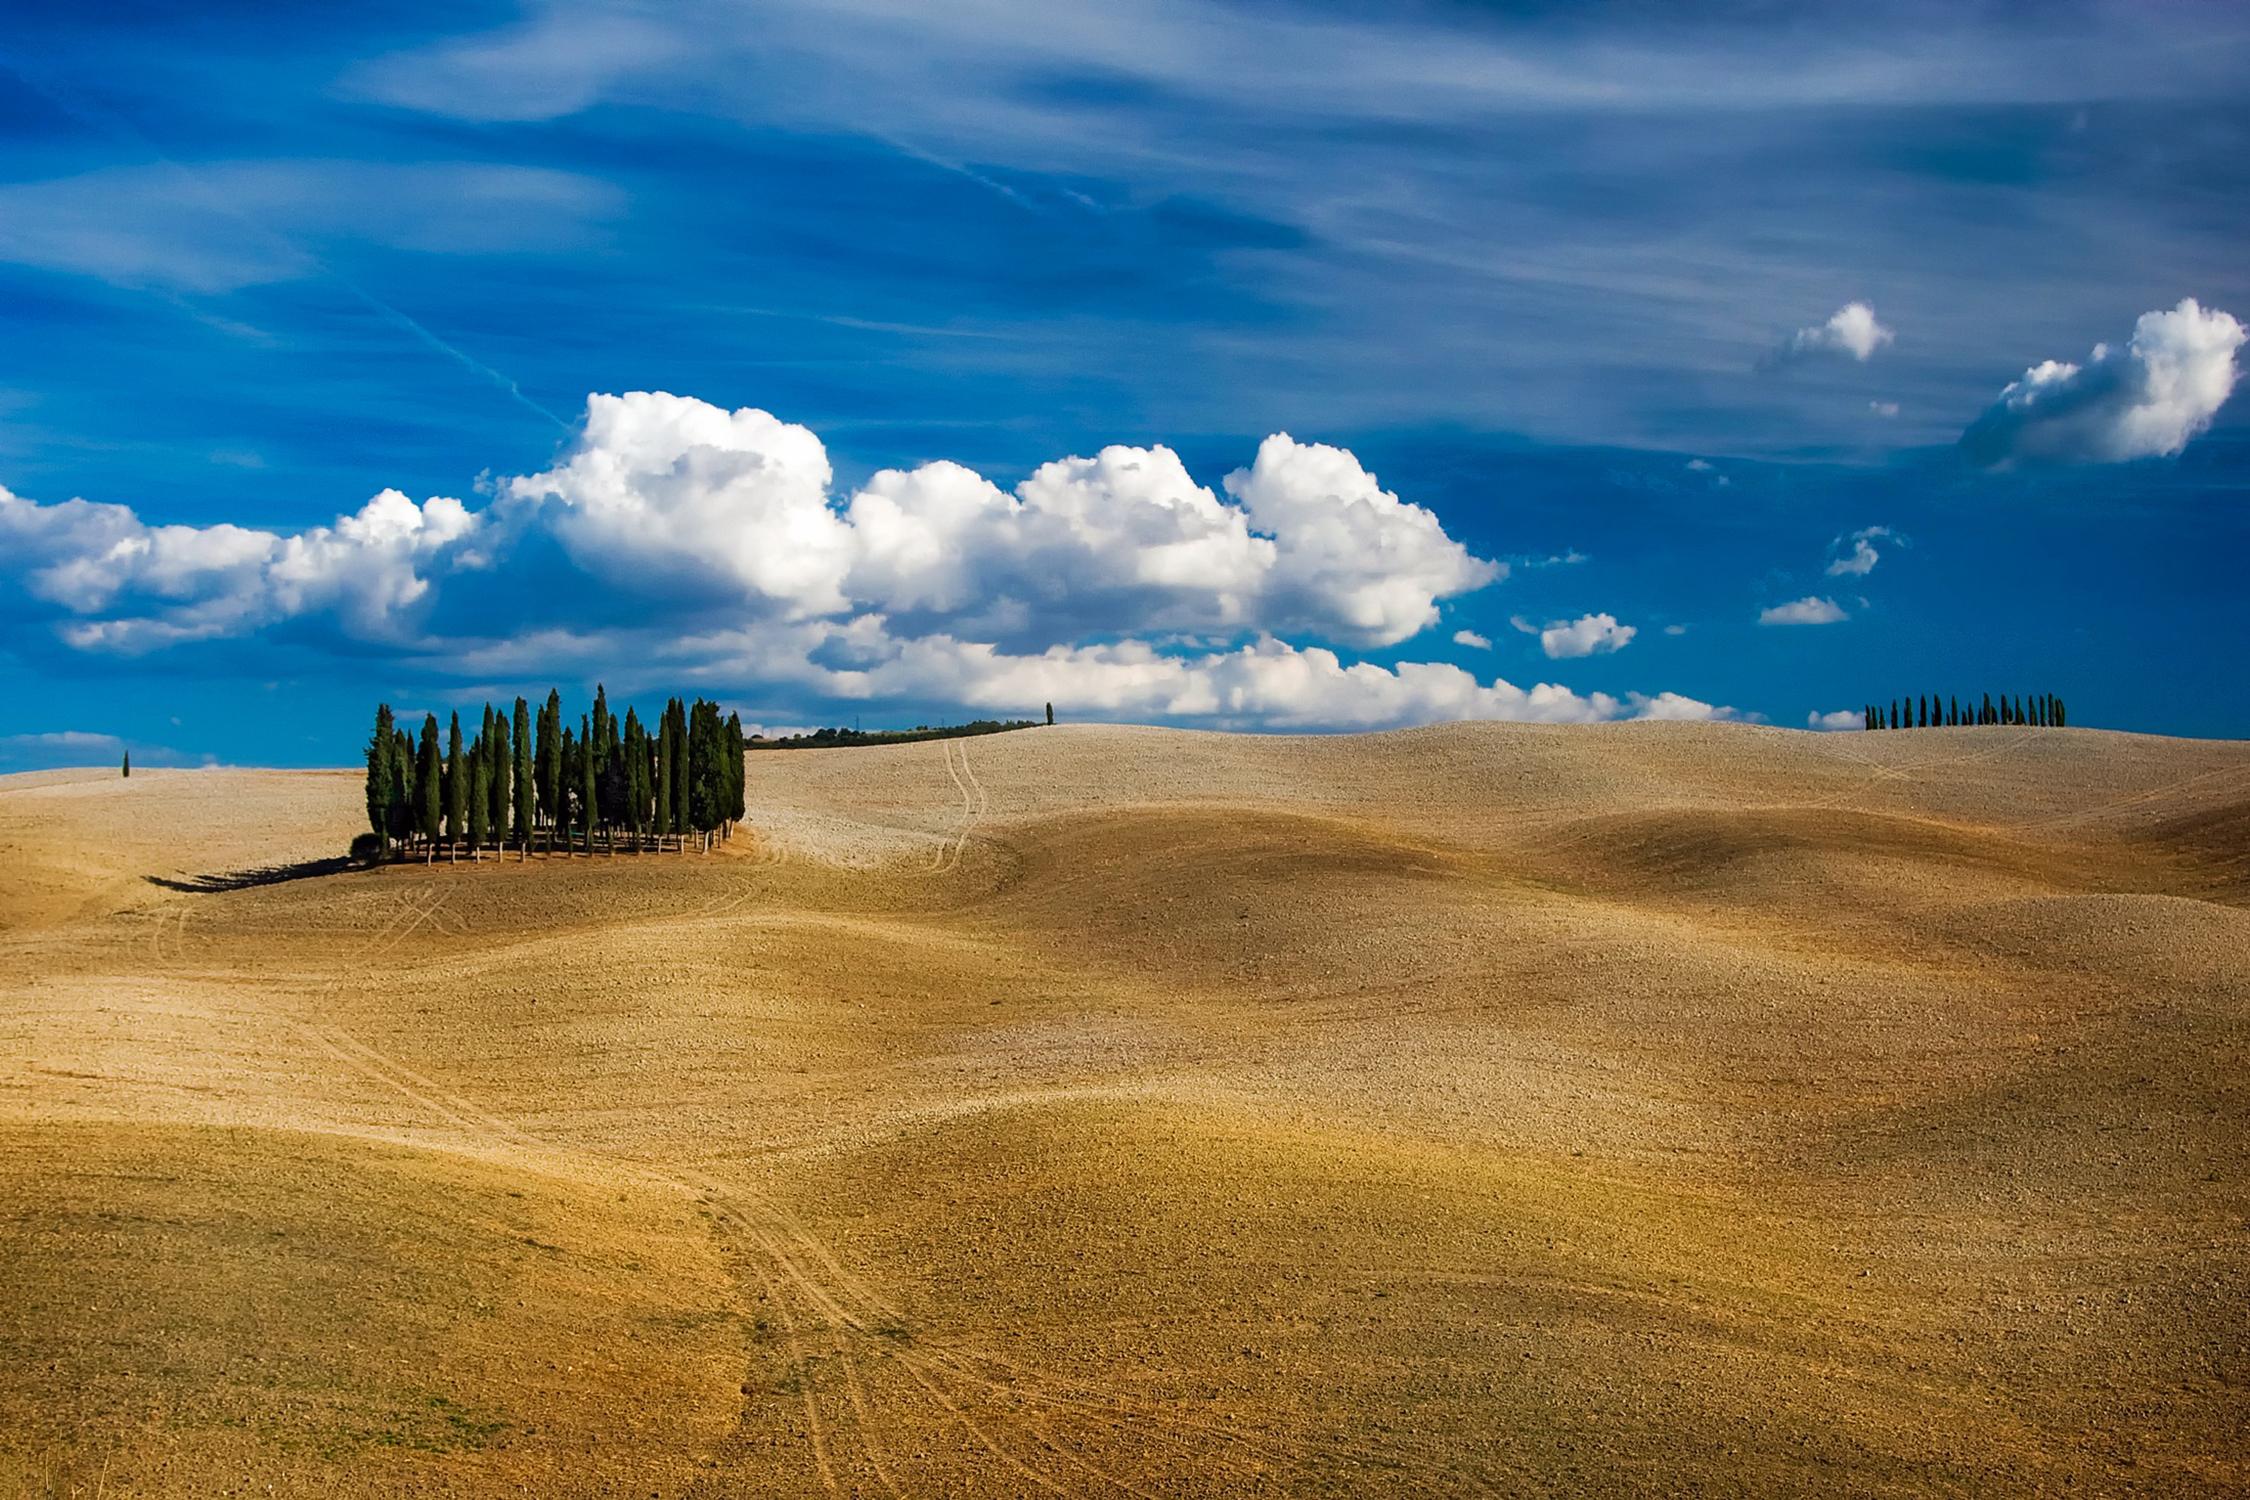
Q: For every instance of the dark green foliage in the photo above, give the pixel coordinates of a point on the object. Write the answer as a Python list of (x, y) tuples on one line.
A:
[(402, 786), (499, 756), (480, 788), (736, 772), (379, 777), (636, 776), (429, 785), (126, 767), (667, 771), (566, 786), (550, 785), (522, 777), (683, 765), (2036, 710), (1050, 713), (456, 785), (589, 781), (827, 739)]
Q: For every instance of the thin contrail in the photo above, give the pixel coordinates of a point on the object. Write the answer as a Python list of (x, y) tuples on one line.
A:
[(102, 120)]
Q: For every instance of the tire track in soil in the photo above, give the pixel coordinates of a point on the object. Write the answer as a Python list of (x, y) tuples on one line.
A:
[(841, 1310)]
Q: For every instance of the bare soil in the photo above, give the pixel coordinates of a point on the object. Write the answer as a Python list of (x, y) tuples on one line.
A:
[(1472, 1110)]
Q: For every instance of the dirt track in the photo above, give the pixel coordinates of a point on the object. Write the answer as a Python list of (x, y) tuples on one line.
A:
[(1483, 1109)]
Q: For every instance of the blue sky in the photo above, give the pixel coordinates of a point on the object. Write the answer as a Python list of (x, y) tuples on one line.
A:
[(1598, 329)]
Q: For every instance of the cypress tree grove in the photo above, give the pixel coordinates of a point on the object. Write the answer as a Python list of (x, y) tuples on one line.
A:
[(379, 778), (521, 779), (429, 789), (456, 789)]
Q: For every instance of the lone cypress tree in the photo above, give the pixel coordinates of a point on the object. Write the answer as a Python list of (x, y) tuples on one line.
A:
[(125, 767), (429, 789), (522, 779), (1050, 713), (380, 777), (456, 790)]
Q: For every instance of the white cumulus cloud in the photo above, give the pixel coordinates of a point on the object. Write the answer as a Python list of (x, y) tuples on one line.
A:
[(1842, 718), (1588, 635), (1851, 330), (1805, 611), (2145, 400), (1472, 640), (711, 546), (1860, 560)]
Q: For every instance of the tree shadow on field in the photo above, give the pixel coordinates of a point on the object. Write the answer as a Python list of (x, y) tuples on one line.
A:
[(243, 880)]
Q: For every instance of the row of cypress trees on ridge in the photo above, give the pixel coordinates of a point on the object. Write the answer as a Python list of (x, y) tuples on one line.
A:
[(2040, 710), (532, 781)]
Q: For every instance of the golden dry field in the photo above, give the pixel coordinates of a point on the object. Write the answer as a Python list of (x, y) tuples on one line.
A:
[(1086, 1111)]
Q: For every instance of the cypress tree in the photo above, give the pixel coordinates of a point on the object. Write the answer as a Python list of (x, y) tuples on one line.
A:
[(401, 813), (683, 770), (1894, 713), (550, 762), (480, 790), (2062, 717), (429, 789), (499, 758), (456, 788), (521, 779), (1050, 713), (636, 776), (126, 766), (612, 779), (667, 770), (703, 770), (589, 780), (1953, 712), (379, 778), (737, 772), (566, 770)]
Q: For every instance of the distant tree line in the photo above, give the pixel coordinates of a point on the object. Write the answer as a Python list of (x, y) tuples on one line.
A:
[(2040, 710), (533, 781), (828, 739)]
